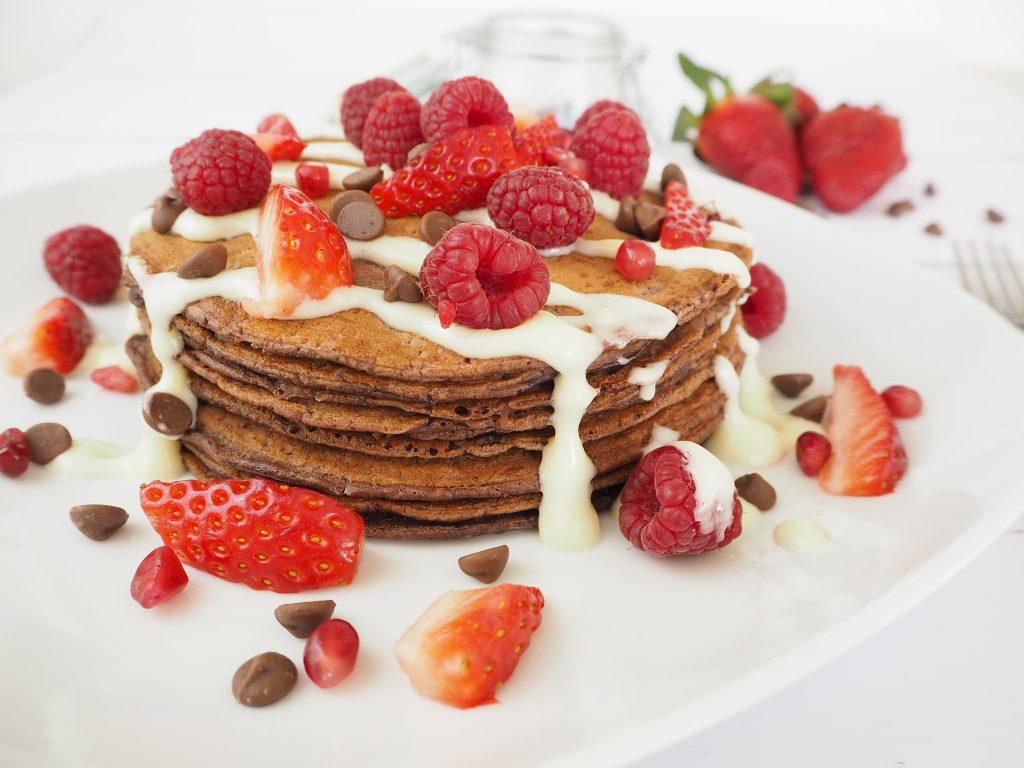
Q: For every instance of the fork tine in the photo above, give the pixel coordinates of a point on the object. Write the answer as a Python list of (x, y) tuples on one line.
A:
[(980, 269), (1011, 268), (962, 267)]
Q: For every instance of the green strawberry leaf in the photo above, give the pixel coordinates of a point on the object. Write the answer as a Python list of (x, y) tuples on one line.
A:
[(686, 126), (705, 79), (783, 95)]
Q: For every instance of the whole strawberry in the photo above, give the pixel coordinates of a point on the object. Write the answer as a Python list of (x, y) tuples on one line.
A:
[(85, 261), (260, 533), (850, 153)]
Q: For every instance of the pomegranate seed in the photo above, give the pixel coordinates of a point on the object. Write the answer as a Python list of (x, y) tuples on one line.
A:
[(115, 379), (158, 578), (634, 260), (13, 452), (902, 402), (314, 179), (330, 653), (812, 451)]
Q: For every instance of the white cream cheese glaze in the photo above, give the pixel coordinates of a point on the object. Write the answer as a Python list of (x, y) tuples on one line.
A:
[(803, 536), (714, 488), (336, 151), (647, 377)]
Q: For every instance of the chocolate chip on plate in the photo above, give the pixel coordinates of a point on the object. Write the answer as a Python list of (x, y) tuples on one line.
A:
[(44, 385), (399, 285), (756, 490), (812, 410), (625, 219), (933, 229), (994, 216), (264, 679), (792, 384), (672, 172), (434, 224), (899, 208), (348, 197), (361, 221), (649, 218), (166, 210), (168, 414), (206, 262), (486, 565), (415, 152), (98, 521), (47, 441), (302, 618), (929, 189), (364, 178)]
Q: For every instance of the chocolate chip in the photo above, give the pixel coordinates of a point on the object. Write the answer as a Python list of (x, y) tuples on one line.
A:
[(433, 225), (166, 210), (415, 152), (98, 521), (929, 189), (47, 441), (672, 172), (264, 679), (933, 229), (756, 490), (485, 566), (361, 221), (347, 198), (167, 414), (364, 178), (899, 208), (206, 262), (399, 285), (302, 618), (812, 410), (649, 218), (792, 384), (625, 219), (994, 216), (44, 385)]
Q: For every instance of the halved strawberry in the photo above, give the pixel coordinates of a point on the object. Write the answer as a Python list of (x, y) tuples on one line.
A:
[(468, 644), (685, 223), (299, 252), (278, 124), (279, 146), (534, 140), (55, 336), (867, 452), (451, 175)]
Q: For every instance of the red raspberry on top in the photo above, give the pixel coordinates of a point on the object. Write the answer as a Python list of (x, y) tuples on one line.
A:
[(765, 308), (391, 129), (599, 106), (85, 262), (220, 172), (464, 103), (613, 144), (544, 206), (55, 336), (481, 277), (356, 102), (663, 513)]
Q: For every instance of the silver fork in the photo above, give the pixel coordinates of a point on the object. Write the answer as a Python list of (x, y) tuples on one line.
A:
[(992, 277)]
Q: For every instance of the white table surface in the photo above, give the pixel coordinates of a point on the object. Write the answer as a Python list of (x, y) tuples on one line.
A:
[(943, 686)]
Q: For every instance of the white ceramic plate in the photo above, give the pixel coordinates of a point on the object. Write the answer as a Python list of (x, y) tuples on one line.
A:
[(634, 653)]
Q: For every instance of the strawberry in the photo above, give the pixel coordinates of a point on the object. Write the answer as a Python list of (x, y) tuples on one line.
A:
[(299, 252), (55, 336), (867, 452), (685, 223), (451, 175), (850, 153), (114, 378), (277, 124), (467, 644), (279, 146), (158, 578), (797, 105), (260, 533), (532, 142), (740, 131)]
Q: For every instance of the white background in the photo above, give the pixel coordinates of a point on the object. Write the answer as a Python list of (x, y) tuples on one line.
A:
[(87, 86)]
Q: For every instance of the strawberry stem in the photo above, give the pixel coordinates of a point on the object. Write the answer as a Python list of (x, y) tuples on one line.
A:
[(783, 95)]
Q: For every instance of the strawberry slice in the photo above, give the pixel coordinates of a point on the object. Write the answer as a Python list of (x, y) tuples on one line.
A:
[(534, 140), (277, 124), (55, 336), (451, 175), (867, 452), (279, 146), (299, 252), (685, 223), (260, 533), (468, 644)]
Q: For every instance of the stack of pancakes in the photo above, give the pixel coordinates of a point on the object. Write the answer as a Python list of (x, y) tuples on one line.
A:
[(424, 442)]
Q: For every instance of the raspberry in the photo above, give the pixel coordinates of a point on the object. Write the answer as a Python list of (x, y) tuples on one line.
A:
[(634, 260), (812, 451), (766, 306), (220, 172), (391, 129), (532, 142), (614, 146), (356, 102), (13, 452), (85, 262), (482, 277), (544, 206), (602, 105), (902, 402), (658, 512), (463, 103)]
